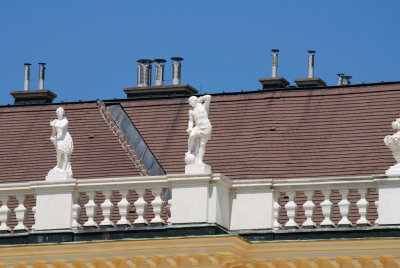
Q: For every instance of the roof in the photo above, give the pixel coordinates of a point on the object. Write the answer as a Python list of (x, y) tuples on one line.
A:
[(27, 154), (324, 132), (282, 134)]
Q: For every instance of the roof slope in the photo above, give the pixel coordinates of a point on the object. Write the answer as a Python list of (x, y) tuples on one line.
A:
[(27, 154), (279, 134)]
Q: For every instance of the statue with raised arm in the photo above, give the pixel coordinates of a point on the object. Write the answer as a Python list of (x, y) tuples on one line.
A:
[(62, 141), (199, 129)]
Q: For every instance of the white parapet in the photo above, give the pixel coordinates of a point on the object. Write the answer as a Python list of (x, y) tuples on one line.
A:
[(252, 204), (190, 198), (54, 204), (389, 200), (199, 198)]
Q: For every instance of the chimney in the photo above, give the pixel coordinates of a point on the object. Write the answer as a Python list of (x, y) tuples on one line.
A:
[(311, 81), (41, 75), (176, 70), (27, 76), (145, 90), (311, 63), (274, 82), (144, 73), (346, 80), (340, 79), (274, 62), (27, 96), (159, 71)]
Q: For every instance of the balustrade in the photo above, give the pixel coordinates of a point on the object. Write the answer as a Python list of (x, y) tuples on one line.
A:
[(13, 212), (326, 207), (138, 202)]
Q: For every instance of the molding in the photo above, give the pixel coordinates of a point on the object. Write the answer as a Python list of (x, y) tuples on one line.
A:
[(222, 251)]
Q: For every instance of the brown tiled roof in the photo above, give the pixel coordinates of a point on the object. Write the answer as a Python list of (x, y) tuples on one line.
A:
[(27, 154), (279, 134)]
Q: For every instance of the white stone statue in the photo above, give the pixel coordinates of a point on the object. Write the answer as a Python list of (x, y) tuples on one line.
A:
[(62, 141), (393, 142), (199, 130)]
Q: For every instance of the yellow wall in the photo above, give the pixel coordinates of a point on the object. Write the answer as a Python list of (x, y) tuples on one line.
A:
[(222, 251)]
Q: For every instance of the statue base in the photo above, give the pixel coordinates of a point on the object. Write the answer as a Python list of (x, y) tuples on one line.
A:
[(197, 169), (393, 170), (58, 175)]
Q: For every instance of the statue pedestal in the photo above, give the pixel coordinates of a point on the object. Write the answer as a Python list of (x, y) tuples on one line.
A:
[(393, 170), (197, 169), (58, 175)]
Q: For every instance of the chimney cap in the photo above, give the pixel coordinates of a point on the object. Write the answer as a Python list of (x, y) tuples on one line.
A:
[(27, 63), (339, 74), (275, 50), (347, 76), (311, 51), (177, 58), (144, 61), (42, 63), (159, 60)]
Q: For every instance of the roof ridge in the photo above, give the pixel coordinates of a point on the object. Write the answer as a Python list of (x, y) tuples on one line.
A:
[(121, 138)]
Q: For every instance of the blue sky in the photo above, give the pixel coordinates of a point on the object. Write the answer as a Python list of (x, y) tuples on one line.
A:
[(91, 47)]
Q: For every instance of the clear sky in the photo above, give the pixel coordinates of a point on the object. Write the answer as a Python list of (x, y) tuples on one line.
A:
[(91, 46)]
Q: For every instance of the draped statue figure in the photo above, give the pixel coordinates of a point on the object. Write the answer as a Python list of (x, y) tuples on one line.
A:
[(63, 143)]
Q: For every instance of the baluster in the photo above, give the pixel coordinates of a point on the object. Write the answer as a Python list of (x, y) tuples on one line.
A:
[(4, 214), (34, 218), (344, 207), (76, 208), (107, 206), (327, 208), (91, 209), (157, 203), (20, 214), (377, 211), (169, 221), (276, 211), (141, 206), (363, 206), (291, 210), (309, 209), (123, 207)]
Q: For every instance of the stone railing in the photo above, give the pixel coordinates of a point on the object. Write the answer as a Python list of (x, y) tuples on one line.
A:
[(332, 197), (132, 192), (13, 198), (204, 198)]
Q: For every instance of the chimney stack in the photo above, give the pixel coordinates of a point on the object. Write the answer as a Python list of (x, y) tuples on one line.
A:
[(340, 79), (274, 82), (144, 88), (41, 75), (159, 71), (144, 73), (346, 80), (27, 96), (27, 76), (176, 70), (274, 62), (311, 63), (311, 81)]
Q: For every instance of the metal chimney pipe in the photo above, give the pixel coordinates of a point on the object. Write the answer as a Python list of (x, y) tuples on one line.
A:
[(41, 75), (340, 79), (159, 71), (346, 80), (311, 63), (144, 73), (176, 70), (274, 62), (27, 76)]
